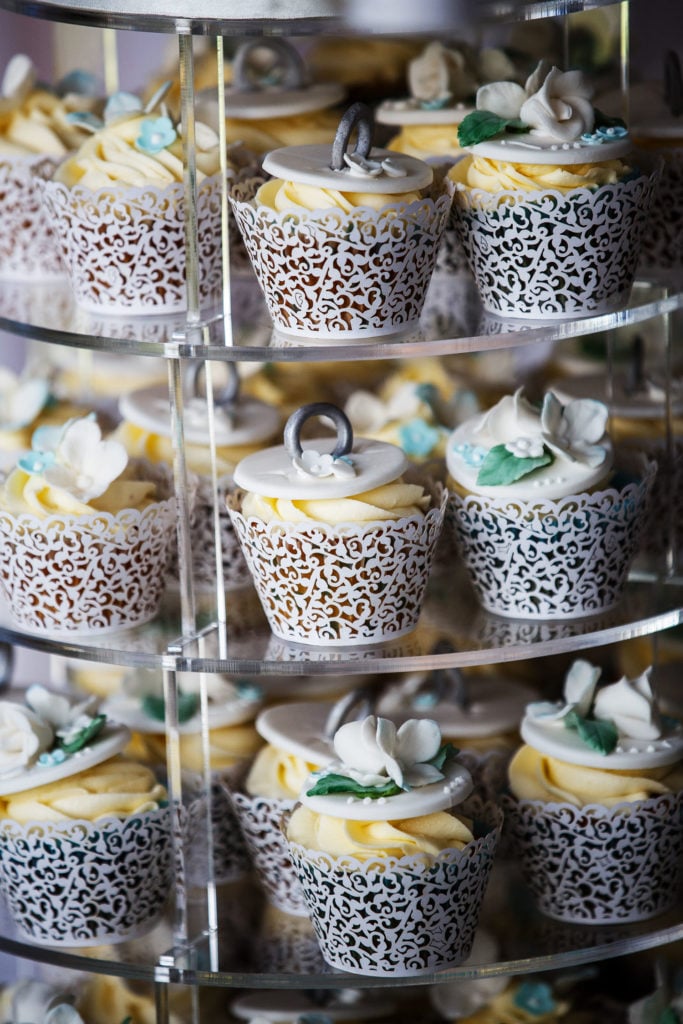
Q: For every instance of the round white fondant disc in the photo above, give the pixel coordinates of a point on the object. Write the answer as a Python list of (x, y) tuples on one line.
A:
[(271, 472), (285, 1007), (390, 113), (248, 422), (129, 712), (630, 754), (528, 149), (438, 796), (298, 729), (639, 406), (310, 165), (496, 706), (272, 103), (111, 741)]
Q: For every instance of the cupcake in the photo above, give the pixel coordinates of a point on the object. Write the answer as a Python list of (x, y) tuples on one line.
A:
[(271, 101), (546, 519), (240, 426), (596, 797), (544, 164), (343, 243), (338, 543), (97, 823), (296, 746), (322, 1007), (35, 134), (85, 533), (37, 1002), (226, 711), (499, 1001), (106, 999), (118, 206), (392, 877)]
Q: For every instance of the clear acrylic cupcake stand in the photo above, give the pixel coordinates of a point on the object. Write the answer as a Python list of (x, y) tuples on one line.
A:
[(209, 937)]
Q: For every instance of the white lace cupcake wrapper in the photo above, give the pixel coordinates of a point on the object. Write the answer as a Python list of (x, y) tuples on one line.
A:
[(125, 248), (662, 247), (345, 584), (230, 858), (596, 864), (338, 275), (64, 575), (83, 883), (260, 819), (551, 559), (398, 916), (551, 255), (29, 246)]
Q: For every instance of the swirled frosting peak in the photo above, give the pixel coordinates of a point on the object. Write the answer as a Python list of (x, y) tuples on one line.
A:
[(518, 450)]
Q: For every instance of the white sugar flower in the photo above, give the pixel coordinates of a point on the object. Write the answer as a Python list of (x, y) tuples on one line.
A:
[(513, 416), (37, 1002), (313, 463), (20, 400), (58, 711), (573, 431), (525, 447), (84, 464), (369, 414), (579, 687), (631, 705), (374, 750), (559, 105), (23, 737)]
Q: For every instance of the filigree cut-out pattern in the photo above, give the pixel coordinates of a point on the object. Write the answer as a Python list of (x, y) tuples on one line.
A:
[(349, 583), (202, 541), (663, 241), (125, 249), (229, 854), (342, 275), (81, 882), (260, 819), (29, 247), (396, 916), (551, 559), (600, 864), (545, 254), (68, 574)]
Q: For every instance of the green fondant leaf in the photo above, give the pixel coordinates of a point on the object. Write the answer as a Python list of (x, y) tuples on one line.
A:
[(155, 707), (502, 467), (605, 121), (83, 738), (481, 125), (446, 751), (598, 735), (332, 784), (669, 1016)]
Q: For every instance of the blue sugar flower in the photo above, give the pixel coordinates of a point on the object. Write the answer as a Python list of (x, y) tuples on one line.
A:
[(156, 133), (249, 691), (36, 463), (417, 438), (535, 997), (52, 758)]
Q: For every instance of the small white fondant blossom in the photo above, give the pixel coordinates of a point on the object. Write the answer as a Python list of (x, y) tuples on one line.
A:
[(573, 431), (525, 447), (65, 719), (37, 1002), (23, 737), (20, 400), (369, 413), (19, 78), (84, 464), (362, 167), (313, 463), (374, 751), (555, 104), (631, 705), (579, 687)]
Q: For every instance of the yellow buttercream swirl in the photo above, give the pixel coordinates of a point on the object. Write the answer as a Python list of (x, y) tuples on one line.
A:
[(393, 501), (24, 493), (157, 448), (425, 140), (282, 196), (39, 125), (278, 774), (504, 1010), (260, 136), (536, 776), (116, 788), (110, 157), (428, 834), (228, 745), (107, 1000), (501, 175)]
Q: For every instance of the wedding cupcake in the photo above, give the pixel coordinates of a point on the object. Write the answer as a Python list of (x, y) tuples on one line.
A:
[(35, 135), (547, 519), (339, 544), (343, 243), (85, 533), (118, 207), (600, 774), (85, 853), (545, 165), (392, 876), (240, 426), (295, 746)]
